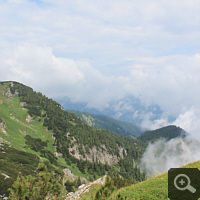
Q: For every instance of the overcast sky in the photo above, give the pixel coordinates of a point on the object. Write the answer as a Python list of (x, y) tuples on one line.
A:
[(98, 51)]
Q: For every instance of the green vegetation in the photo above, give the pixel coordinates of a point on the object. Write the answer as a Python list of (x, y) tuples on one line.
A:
[(37, 125), (62, 122), (71, 186), (155, 188), (105, 190), (16, 127), (110, 185), (167, 132), (37, 144), (13, 161), (104, 122), (40, 187)]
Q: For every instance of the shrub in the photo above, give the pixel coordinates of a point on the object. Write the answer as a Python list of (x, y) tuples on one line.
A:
[(40, 187)]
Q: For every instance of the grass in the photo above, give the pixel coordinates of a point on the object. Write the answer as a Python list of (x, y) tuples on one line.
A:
[(92, 191), (154, 188), (17, 127)]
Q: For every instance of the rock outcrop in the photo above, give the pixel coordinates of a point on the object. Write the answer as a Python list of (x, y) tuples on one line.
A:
[(1, 124), (101, 153), (29, 118)]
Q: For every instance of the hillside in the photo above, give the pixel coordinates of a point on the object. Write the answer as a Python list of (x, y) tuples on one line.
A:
[(167, 132), (37, 127), (155, 188), (104, 122)]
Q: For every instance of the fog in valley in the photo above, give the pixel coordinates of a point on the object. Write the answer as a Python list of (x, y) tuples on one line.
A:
[(162, 155)]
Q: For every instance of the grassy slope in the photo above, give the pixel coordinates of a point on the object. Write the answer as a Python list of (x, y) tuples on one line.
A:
[(154, 188), (16, 127)]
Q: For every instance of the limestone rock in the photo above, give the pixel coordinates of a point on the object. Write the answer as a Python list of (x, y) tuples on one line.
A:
[(101, 154), (29, 119)]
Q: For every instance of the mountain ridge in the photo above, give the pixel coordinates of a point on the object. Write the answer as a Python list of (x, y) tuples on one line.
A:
[(167, 132), (127, 109), (105, 122)]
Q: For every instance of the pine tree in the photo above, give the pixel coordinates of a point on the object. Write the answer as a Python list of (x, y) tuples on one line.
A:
[(20, 188), (41, 187)]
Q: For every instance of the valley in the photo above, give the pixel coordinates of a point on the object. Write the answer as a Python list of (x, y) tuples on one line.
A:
[(78, 148)]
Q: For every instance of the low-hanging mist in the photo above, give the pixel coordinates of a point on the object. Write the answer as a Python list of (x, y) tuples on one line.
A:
[(162, 155)]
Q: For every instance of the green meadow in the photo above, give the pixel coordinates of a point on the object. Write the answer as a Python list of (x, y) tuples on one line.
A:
[(154, 188), (17, 127)]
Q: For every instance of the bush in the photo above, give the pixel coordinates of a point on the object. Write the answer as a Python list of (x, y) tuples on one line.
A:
[(40, 187), (35, 144)]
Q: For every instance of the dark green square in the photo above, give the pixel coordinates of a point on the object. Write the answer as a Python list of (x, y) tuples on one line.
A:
[(184, 184)]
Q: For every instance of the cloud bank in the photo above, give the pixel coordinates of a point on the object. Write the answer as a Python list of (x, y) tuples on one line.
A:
[(160, 156), (170, 82), (102, 51)]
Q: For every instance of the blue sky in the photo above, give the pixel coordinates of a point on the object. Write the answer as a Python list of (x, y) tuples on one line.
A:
[(98, 51)]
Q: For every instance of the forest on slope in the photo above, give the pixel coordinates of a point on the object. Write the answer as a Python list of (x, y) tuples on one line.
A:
[(22, 101), (167, 132), (105, 122)]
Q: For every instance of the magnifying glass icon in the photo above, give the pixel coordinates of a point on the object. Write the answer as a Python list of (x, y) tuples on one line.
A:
[(182, 182)]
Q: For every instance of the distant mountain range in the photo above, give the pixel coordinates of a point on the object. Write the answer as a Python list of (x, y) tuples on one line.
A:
[(128, 109)]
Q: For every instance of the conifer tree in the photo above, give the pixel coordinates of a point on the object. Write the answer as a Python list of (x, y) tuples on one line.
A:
[(20, 188), (41, 187)]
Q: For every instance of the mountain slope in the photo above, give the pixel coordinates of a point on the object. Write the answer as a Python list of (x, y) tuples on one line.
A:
[(32, 123), (104, 122), (167, 132), (154, 188), (13, 161)]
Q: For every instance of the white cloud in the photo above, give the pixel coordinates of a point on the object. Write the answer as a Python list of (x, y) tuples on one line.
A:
[(98, 51), (106, 32), (148, 123), (172, 82), (162, 155), (190, 121), (38, 67)]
